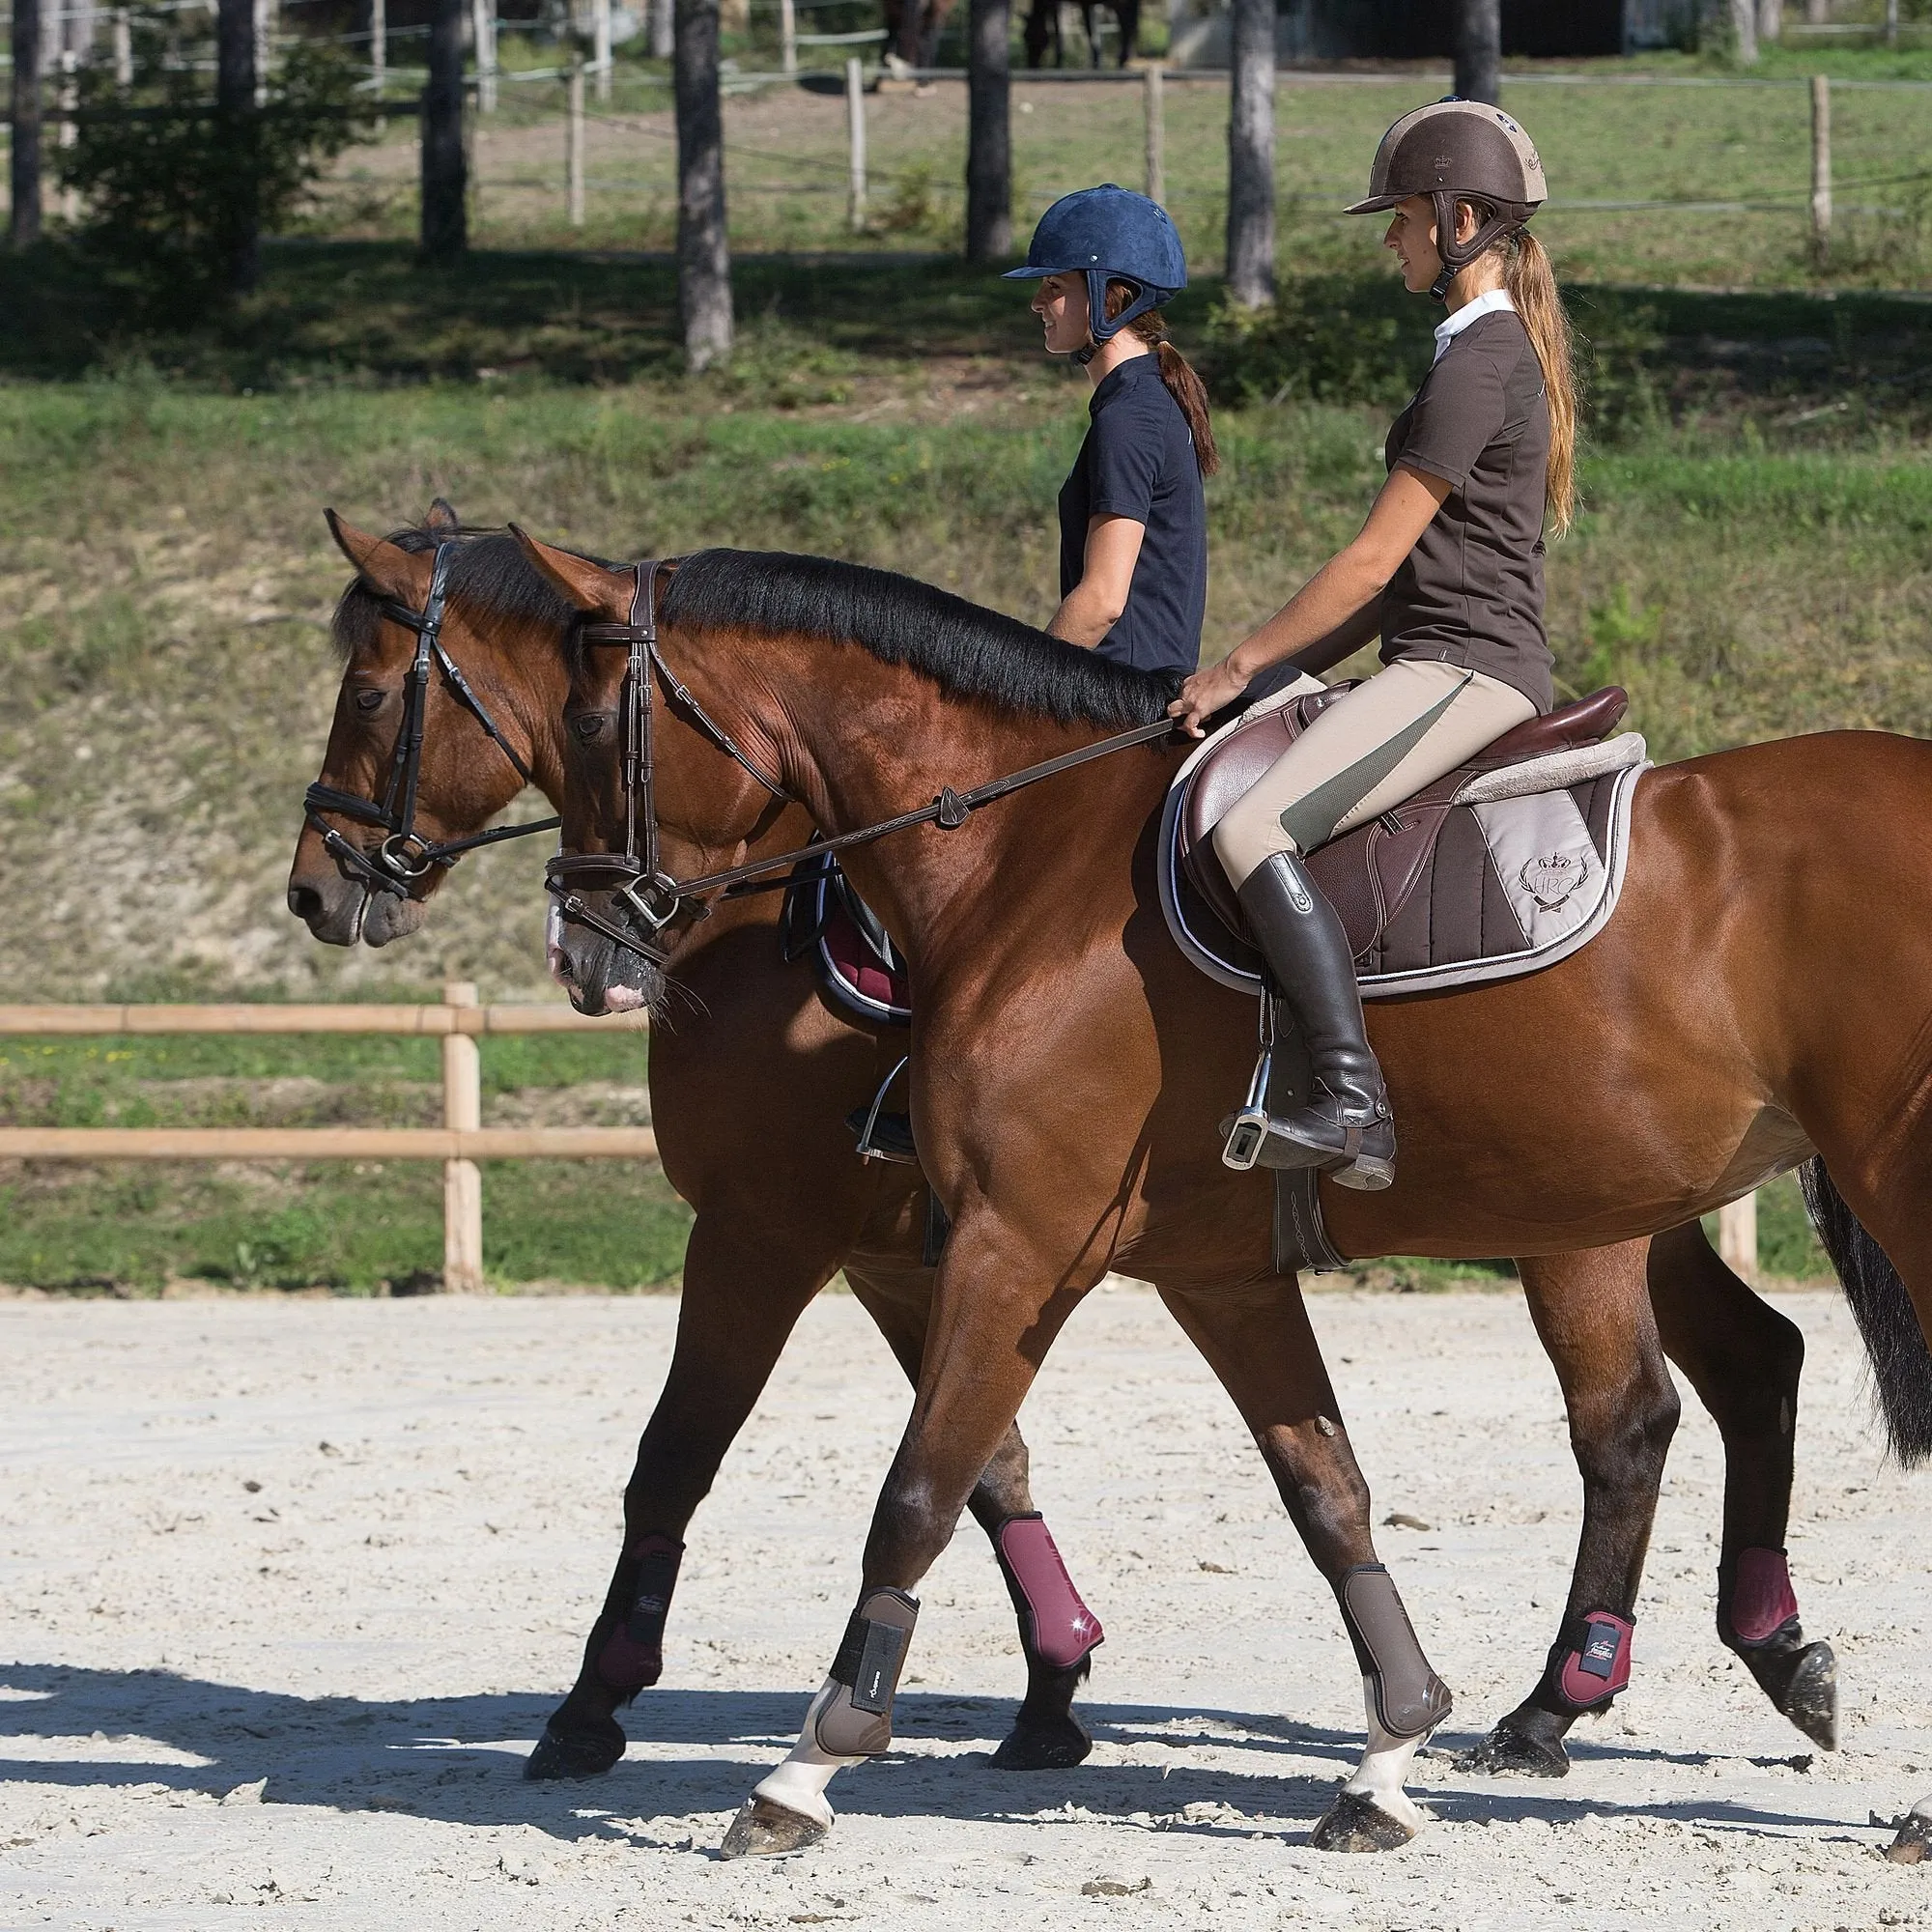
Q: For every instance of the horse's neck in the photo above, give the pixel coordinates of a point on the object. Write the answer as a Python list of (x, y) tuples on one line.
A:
[(530, 671), (880, 740)]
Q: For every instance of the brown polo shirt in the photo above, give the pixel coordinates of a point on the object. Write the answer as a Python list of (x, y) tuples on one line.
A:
[(1471, 592)]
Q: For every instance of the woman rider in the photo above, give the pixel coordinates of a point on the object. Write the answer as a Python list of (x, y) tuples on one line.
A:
[(1133, 525), (1448, 569)]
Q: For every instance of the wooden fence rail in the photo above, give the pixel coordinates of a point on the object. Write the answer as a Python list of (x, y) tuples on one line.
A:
[(460, 1143)]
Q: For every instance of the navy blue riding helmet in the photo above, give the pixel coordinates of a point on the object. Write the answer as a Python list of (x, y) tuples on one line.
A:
[(1108, 233)]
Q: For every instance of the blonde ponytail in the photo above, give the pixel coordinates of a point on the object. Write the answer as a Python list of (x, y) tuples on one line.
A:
[(1532, 287)]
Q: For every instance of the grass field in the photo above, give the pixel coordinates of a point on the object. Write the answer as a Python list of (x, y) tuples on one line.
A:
[(1753, 559), (1660, 129)]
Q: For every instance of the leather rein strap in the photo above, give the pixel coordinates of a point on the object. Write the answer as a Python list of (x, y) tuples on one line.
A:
[(405, 855), (649, 893)]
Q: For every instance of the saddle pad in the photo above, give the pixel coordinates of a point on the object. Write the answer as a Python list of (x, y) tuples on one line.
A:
[(1526, 867), (858, 969)]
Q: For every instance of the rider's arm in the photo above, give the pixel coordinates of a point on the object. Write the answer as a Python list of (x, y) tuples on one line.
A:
[(1347, 590), (1095, 605), (1336, 611)]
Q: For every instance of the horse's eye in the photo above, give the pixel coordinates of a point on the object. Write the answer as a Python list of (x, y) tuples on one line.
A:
[(588, 728), (369, 700)]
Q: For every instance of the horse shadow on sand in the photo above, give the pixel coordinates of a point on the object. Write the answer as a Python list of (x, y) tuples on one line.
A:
[(694, 1752)]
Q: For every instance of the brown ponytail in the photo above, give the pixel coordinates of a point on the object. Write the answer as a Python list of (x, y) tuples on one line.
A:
[(1532, 288), (1186, 388)]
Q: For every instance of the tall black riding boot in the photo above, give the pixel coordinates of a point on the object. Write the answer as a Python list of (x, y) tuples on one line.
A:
[(1346, 1128)]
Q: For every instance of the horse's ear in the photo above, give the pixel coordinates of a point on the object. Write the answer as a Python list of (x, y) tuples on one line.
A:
[(443, 519), (591, 586), (386, 568)]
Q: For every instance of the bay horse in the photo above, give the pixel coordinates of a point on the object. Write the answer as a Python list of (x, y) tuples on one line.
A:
[(749, 1026), (767, 1234), (1735, 1018), (1043, 30)]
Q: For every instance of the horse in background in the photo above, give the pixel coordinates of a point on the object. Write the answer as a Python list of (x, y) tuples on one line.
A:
[(1044, 28)]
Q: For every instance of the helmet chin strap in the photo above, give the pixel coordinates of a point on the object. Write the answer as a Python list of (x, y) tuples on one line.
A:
[(1456, 256)]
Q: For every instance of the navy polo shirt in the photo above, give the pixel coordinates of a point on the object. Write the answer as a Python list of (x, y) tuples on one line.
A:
[(1138, 461)]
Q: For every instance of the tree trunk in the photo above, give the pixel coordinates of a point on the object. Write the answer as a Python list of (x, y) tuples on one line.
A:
[(1743, 31), (25, 172), (1769, 19), (235, 79), (1251, 155), (445, 218), (989, 148), (1479, 49), (703, 250)]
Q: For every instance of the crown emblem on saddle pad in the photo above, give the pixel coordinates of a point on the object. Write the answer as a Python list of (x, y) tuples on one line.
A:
[(1550, 881)]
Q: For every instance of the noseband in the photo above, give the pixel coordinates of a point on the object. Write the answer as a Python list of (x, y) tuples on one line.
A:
[(405, 855), (644, 890)]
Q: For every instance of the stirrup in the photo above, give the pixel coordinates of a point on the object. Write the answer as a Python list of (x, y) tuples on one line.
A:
[(876, 1139), (1247, 1131)]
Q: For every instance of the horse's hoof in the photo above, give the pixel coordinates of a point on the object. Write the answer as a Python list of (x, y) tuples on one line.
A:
[(1056, 1745), (1507, 1752), (582, 1751), (1810, 1698), (1913, 1843), (1356, 1823), (762, 1829)]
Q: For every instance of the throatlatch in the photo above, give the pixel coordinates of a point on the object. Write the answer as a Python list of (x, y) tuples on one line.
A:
[(1590, 1661), (1056, 1625), (632, 1658), (858, 1720), (1409, 1698)]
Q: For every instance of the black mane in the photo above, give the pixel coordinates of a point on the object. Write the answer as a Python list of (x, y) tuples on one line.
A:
[(965, 649), (489, 573)]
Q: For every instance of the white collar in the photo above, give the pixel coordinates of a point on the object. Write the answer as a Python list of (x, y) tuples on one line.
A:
[(1493, 302)]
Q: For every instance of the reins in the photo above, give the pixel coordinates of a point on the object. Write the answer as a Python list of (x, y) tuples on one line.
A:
[(405, 855), (649, 893)]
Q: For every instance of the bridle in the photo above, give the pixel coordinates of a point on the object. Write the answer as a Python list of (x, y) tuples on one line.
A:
[(648, 896), (405, 855)]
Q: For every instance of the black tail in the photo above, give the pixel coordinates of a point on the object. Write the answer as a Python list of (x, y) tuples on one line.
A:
[(1901, 1364)]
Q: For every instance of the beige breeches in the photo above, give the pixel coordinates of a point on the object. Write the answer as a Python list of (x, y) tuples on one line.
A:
[(1379, 744)]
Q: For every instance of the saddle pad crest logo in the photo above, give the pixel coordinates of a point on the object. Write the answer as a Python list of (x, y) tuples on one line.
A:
[(1550, 881)]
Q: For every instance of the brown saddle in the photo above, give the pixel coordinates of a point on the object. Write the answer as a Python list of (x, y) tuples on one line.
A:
[(1369, 873)]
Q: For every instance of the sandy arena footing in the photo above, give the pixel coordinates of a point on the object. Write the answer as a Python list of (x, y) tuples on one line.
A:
[(288, 1589)]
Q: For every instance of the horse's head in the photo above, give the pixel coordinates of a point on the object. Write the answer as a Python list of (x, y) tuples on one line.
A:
[(437, 725), (646, 786)]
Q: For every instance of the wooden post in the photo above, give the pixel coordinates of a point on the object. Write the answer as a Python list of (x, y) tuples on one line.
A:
[(663, 38), (379, 44), (1479, 49), (24, 167), (444, 229), (69, 100), (600, 35), (1157, 135), (264, 22), (1251, 155), (1743, 31), (1737, 1237), (787, 37), (1821, 169), (989, 138), (483, 30), (124, 50), (572, 138), (1769, 19), (461, 1180), (1891, 23), (855, 136), (703, 241)]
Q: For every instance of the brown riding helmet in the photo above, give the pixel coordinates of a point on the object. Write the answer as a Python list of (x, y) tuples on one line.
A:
[(1455, 150)]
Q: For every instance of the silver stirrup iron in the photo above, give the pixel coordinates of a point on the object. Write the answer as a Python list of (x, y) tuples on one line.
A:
[(1248, 1131)]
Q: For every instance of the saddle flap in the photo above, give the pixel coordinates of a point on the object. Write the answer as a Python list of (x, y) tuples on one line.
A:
[(1369, 873)]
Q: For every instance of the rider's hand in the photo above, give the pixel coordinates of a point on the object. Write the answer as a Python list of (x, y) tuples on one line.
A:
[(1203, 694)]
